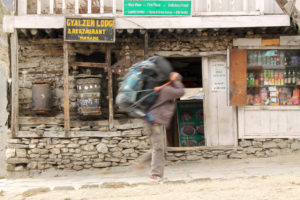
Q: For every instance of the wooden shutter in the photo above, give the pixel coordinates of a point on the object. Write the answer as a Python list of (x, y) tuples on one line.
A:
[(238, 77)]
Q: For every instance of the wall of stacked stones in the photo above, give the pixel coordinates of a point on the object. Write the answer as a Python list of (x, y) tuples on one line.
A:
[(75, 153), (38, 154), (42, 59), (246, 149)]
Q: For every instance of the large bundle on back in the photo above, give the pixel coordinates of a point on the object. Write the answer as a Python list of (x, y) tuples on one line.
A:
[(136, 94)]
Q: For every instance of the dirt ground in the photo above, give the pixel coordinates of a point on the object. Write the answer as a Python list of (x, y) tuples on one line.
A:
[(283, 187)]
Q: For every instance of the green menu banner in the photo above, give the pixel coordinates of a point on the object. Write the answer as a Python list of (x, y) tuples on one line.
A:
[(157, 7), (190, 120)]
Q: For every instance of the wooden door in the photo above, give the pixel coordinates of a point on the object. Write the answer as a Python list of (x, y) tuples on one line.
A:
[(218, 114)]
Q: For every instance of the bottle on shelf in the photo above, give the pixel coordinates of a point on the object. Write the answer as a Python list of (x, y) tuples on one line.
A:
[(293, 78), (289, 78), (259, 58), (261, 79), (281, 55), (285, 78), (298, 78)]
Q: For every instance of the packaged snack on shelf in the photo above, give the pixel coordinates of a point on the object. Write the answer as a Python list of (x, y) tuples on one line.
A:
[(295, 96), (264, 96), (256, 100)]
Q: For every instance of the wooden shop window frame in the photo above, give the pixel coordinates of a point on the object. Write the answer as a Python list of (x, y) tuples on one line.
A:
[(238, 77), (106, 66)]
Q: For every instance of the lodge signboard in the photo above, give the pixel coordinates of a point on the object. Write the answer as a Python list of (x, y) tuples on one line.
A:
[(89, 29), (157, 7)]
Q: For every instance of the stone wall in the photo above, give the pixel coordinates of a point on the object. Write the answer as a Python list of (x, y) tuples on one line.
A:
[(38, 154), (75, 153), (246, 149)]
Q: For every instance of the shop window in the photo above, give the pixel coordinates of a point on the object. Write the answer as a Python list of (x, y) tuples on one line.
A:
[(273, 77), (265, 77)]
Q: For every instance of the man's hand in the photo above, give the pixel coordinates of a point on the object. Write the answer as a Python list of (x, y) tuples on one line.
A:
[(174, 76)]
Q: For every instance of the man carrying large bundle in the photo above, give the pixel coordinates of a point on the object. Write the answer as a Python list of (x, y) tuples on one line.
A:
[(156, 107)]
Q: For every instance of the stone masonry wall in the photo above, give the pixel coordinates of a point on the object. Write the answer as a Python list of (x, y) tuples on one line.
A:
[(75, 153), (246, 149), (38, 154)]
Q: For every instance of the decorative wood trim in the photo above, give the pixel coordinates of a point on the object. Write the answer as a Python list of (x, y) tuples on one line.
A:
[(66, 90), (15, 84), (110, 91)]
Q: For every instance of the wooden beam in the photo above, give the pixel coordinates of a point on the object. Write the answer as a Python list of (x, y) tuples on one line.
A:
[(24, 31), (39, 7), (146, 46), (44, 22), (89, 6), (88, 64), (41, 120), (120, 31), (51, 7), (142, 31), (66, 91), (15, 84), (130, 31), (34, 32), (186, 54), (60, 134), (179, 31), (109, 84), (22, 7)]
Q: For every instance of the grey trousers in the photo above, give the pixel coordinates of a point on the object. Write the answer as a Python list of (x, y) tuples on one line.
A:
[(156, 155)]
